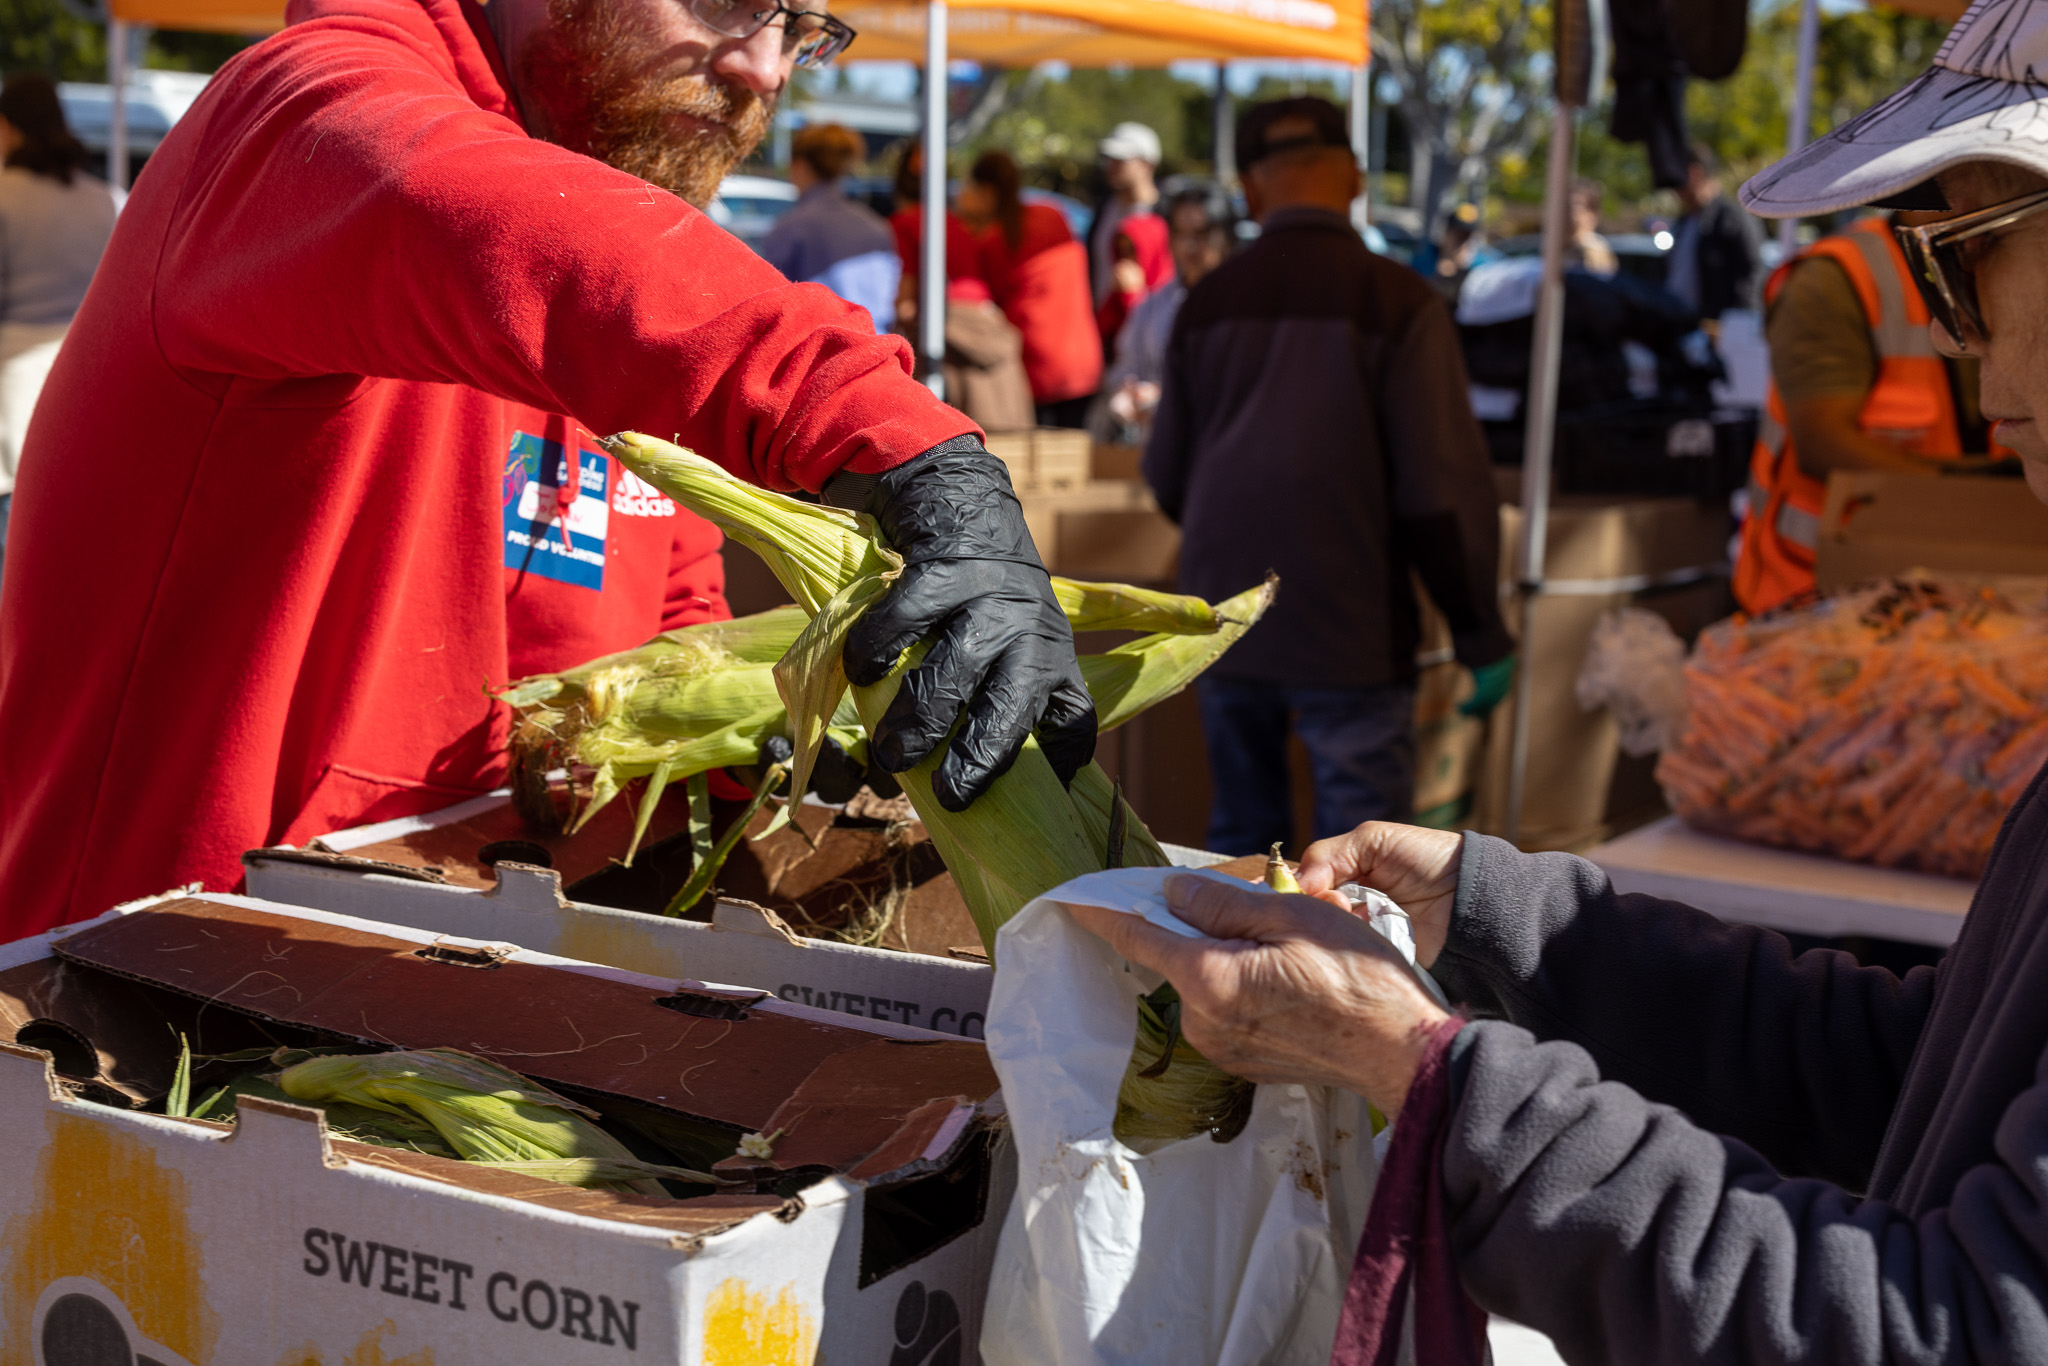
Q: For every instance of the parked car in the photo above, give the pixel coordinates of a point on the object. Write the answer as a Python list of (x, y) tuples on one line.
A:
[(1640, 254), (748, 205)]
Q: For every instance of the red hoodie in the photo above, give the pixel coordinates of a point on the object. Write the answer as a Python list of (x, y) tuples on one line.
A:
[(266, 524), (1041, 285)]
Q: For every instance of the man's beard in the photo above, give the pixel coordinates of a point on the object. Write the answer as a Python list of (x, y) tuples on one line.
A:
[(599, 89)]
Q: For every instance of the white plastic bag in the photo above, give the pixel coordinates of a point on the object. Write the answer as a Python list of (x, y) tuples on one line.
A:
[(1200, 1252)]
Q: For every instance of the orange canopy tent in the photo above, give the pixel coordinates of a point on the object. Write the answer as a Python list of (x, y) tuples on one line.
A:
[(1080, 33), (1113, 32)]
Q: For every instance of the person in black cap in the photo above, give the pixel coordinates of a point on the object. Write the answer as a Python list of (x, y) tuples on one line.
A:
[(1314, 421)]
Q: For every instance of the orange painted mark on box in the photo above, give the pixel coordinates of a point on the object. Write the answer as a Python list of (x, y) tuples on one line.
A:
[(744, 1327), (106, 1211), (368, 1352)]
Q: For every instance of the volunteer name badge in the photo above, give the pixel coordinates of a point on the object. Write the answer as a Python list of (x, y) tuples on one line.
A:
[(557, 514)]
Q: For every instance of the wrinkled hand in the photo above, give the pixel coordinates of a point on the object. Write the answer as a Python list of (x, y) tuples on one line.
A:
[(1418, 868), (1002, 654), (1287, 989)]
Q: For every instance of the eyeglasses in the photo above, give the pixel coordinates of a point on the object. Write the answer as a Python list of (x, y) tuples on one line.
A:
[(1944, 257), (811, 37)]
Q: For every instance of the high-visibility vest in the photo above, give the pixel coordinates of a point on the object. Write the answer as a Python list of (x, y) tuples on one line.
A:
[(1912, 402)]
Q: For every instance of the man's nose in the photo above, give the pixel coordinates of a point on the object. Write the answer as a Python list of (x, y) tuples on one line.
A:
[(755, 62)]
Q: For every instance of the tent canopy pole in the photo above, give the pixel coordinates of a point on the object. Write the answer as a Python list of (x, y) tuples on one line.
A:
[(931, 310), (1801, 126), (117, 82)]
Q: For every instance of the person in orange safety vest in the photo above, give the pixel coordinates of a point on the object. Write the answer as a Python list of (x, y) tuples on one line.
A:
[(1885, 400)]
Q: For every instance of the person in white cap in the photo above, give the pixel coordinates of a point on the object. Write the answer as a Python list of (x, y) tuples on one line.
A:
[(1670, 1139), (1130, 162)]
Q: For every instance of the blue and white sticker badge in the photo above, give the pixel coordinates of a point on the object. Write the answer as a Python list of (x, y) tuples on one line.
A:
[(555, 520)]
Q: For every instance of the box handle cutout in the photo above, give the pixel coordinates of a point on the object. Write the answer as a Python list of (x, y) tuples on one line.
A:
[(515, 851), (71, 1053), (706, 1006), (462, 957)]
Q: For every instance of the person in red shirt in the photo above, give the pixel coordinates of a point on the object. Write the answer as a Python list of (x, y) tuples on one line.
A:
[(1038, 273), (314, 473), (963, 259), (1144, 263)]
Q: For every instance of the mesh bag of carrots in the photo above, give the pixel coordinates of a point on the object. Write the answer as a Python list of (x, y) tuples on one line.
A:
[(1894, 724)]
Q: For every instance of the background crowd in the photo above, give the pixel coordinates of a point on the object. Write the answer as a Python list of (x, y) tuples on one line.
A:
[(1315, 394)]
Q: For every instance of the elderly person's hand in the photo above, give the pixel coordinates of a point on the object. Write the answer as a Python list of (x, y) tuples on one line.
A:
[(1418, 868), (1286, 989)]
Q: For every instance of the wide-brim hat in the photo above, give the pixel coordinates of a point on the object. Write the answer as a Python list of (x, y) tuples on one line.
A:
[(1984, 99)]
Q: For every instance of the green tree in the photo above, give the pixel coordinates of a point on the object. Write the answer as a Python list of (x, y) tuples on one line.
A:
[(1864, 55), (1051, 120), (1473, 82), (69, 42)]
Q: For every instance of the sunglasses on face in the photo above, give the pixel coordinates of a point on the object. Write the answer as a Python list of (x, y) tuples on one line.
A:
[(810, 37), (1944, 257)]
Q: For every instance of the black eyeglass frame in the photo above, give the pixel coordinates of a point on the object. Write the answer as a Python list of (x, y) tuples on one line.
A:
[(1946, 284), (741, 22)]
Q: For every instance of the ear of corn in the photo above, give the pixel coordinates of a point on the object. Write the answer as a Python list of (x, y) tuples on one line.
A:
[(481, 1110), (1028, 833), (1122, 607), (1278, 875), (1145, 672)]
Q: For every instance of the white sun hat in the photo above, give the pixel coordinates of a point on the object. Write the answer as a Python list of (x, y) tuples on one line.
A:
[(1984, 99)]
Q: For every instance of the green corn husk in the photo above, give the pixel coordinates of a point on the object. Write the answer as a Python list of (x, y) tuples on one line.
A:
[(482, 1111), (1028, 833)]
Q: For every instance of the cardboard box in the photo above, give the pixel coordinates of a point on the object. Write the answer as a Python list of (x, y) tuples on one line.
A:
[(1109, 530), (274, 1241), (1876, 525), (868, 873), (1115, 461), (1045, 458), (1665, 554), (742, 944)]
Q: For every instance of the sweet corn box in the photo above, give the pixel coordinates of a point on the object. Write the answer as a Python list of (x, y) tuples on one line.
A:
[(741, 943), (381, 872), (132, 1237)]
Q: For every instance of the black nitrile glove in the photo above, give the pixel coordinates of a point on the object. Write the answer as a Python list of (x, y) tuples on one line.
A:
[(1001, 647)]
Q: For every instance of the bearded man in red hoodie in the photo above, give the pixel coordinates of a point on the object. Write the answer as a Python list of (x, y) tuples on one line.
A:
[(314, 473)]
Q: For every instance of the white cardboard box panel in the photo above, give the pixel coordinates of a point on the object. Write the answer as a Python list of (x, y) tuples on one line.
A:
[(741, 946)]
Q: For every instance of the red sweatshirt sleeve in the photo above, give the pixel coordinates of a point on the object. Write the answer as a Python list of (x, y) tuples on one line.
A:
[(365, 216)]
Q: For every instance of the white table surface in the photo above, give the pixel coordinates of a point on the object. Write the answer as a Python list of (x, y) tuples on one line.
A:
[(1805, 893)]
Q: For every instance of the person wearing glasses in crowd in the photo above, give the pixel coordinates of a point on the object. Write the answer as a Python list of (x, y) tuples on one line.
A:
[(329, 471), (1666, 1138), (1200, 221)]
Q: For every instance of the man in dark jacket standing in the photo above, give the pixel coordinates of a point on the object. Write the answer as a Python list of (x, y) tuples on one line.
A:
[(1314, 421), (1713, 265)]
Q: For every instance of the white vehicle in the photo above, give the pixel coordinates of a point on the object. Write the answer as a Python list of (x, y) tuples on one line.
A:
[(748, 205), (156, 100)]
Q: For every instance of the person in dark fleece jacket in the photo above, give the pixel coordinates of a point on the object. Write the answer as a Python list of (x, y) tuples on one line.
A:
[(1669, 1139)]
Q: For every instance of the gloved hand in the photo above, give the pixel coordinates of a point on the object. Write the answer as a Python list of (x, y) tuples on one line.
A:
[(1002, 651), (836, 775), (1490, 683)]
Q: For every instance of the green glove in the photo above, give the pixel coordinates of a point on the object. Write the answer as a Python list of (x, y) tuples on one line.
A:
[(1490, 683)]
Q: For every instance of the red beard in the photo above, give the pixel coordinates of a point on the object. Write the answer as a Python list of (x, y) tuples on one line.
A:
[(602, 93)]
